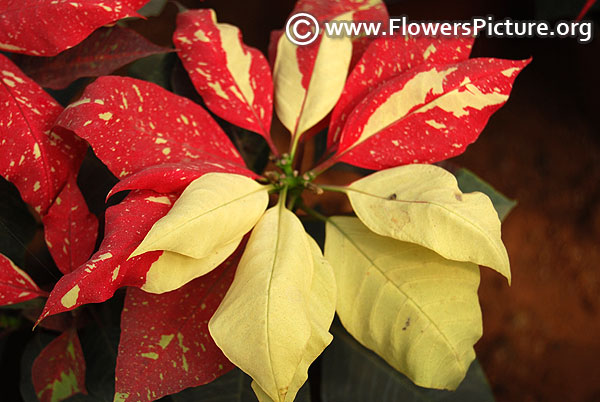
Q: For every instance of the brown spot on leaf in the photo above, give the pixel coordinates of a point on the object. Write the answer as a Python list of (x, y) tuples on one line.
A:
[(406, 324), (392, 196), (458, 196)]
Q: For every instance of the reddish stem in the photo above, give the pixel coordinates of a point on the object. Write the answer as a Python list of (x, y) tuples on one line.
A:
[(585, 9)]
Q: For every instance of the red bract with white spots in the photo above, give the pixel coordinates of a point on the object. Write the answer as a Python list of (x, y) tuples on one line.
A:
[(233, 79), (59, 370), (108, 269), (179, 347), (35, 158), (175, 177), (428, 114), (15, 285), (71, 229), (47, 27), (133, 124), (386, 58), (101, 53)]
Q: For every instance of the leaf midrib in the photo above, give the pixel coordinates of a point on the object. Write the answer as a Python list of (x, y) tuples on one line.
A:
[(208, 212)]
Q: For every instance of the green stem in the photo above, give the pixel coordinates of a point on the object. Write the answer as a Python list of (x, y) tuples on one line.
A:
[(323, 166), (295, 140), (312, 212), (282, 196), (337, 189), (292, 200)]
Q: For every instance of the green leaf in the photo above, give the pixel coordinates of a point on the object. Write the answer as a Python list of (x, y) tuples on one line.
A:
[(470, 182), (422, 204), (352, 373), (417, 310), (273, 320)]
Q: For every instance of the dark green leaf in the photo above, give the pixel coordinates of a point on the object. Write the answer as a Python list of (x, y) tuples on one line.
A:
[(153, 8), (33, 304), (10, 321), (100, 350), (351, 373), (231, 387), (17, 226), (11, 350), (469, 182), (32, 350), (100, 343), (553, 10), (156, 69)]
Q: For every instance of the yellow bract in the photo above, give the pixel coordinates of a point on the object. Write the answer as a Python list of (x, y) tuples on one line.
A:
[(300, 108), (417, 310), (422, 204), (216, 210), (172, 270), (274, 319), (321, 311)]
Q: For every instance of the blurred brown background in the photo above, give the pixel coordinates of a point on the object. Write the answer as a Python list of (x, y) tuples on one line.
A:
[(541, 337)]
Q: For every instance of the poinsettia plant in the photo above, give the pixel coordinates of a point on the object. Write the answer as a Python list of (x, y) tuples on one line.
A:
[(218, 267)]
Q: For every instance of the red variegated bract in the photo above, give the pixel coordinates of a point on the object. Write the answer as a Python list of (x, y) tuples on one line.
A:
[(431, 113), (165, 345), (359, 10), (103, 52), (35, 158), (46, 28), (233, 79), (325, 10), (133, 124), (273, 42), (59, 370), (171, 178), (385, 58), (109, 268), (309, 79), (70, 228), (59, 323), (15, 285), (377, 12)]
